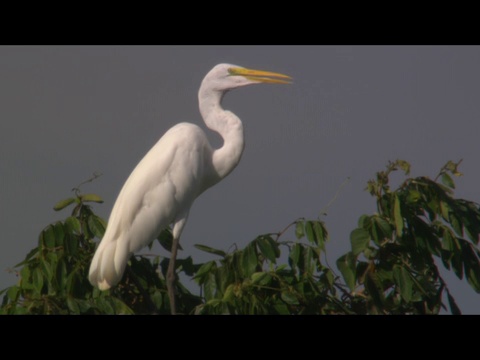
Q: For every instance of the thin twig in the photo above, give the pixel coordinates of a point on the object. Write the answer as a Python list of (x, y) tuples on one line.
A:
[(324, 210), (76, 189)]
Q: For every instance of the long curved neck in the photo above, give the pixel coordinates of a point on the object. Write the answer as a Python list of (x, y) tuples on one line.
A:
[(228, 125)]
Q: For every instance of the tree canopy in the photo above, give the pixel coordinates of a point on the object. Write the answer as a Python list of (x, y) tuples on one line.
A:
[(392, 267)]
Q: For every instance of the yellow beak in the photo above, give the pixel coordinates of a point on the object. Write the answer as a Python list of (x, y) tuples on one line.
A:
[(261, 76)]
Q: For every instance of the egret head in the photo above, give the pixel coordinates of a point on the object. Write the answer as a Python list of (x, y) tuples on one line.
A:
[(227, 76)]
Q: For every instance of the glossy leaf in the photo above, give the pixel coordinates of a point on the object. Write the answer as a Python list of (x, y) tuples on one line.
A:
[(166, 240), (37, 280), (413, 196), (444, 209), (49, 237), (374, 288), (13, 292), (71, 245), (63, 204), (97, 226), (294, 256), (447, 241), (229, 292), (346, 265), (397, 213), (268, 248), (261, 278), (29, 256), (289, 298), (320, 234), (359, 238), (453, 305), (73, 305), (204, 269), (447, 180), (210, 250), (299, 229), (364, 221), (59, 234), (403, 281), (249, 260), (73, 225), (471, 266), (91, 198), (310, 233)]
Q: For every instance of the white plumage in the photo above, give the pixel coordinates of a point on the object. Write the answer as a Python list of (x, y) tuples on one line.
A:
[(179, 167)]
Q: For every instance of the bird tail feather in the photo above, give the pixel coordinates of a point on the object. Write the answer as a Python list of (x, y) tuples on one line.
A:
[(108, 264)]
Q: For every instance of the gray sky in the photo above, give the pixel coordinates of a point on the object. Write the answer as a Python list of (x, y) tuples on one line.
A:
[(69, 111)]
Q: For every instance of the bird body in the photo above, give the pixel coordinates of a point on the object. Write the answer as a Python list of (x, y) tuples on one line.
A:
[(170, 176), (181, 165)]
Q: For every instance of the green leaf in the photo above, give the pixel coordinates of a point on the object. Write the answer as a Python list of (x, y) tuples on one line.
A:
[(309, 232), (249, 260), (360, 238), (187, 265), (37, 280), (61, 274), (59, 234), (299, 229), (398, 216), (71, 245), (157, 299), (48, 235), (294, 255), (209, 286), (307, 261), (205, 269), (91, 198), (210, 250), (374, 289), (444, 209), (289, 298), (63, 204), (47, 269), (364, 221), (25, 278), (31, 254), (453, 305), (121, 308), (457, 262), (346, 265), (13, 293), (413, 196), (261, 278), (73, 225), (471, 265), (269, 249), (403, 281), (97, 225), (166, 240), (229, 293), (320, 234), (456, 224), (72, 305), (281, 309), (404, 165), (447, 180)]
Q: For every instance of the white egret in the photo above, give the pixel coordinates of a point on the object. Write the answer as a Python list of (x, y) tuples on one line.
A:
[(179, 167)]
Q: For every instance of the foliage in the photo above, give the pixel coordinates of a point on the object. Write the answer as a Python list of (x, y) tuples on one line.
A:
[(392, 267), (54, 275)]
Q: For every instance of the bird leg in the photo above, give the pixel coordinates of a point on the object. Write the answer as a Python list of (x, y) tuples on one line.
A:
[(171, 275)]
